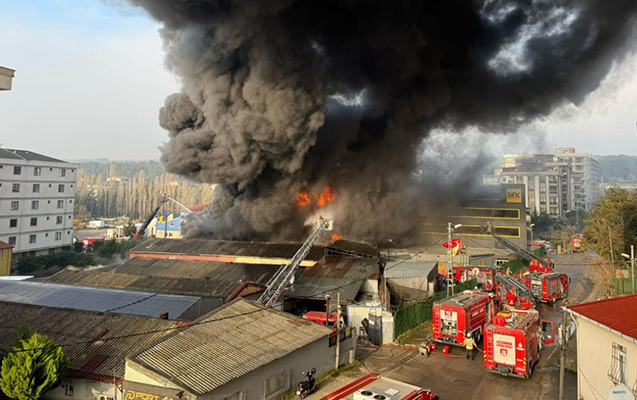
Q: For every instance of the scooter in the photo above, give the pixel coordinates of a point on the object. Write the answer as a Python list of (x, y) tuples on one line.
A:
[(307, 387)]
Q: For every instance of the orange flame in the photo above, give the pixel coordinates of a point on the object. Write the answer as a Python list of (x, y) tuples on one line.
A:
[(336, 236), (303, 199), (327, 196)]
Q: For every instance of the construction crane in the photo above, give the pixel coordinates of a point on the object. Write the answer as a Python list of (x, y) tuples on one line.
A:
[(285, 275), (142, 229), (546, 265)]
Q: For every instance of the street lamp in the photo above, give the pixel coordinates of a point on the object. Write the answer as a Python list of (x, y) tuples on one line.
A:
[(531, 226), (631, 257), (450, 230)]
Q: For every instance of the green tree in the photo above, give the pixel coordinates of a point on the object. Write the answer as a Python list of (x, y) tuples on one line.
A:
[(543, 224), (36, 366), (129, 230)]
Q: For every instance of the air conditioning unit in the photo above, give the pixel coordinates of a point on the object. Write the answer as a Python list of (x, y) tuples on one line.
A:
[(368, 395)]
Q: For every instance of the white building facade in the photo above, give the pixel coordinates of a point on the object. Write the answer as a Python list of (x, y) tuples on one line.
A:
[(37, 198), (585, 177)]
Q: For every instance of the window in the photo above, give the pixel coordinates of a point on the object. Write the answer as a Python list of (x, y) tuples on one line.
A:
[(15, 205), (62, 172), (531, 187), (16, 188), (58, 219), (71, 201), (542, 200), (617, 370), (236, 396), (490, 213), (35, 204), (34, 221), (58, 235), (31, 238), (17, 170), (277, 384), (531, 199), (60, 203), (36, 188), (13, 223), (12, 240), (37, 171), (542, 189), (60, 188)]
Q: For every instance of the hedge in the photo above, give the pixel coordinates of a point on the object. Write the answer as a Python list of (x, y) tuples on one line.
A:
[(411, 316)]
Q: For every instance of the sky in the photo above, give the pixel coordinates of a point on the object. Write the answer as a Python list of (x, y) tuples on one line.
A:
[(90, 81)]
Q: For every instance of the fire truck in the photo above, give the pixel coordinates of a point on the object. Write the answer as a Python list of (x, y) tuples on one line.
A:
[(484, 274), (464, 312), (514, 340), (510, 291), (547, 287)]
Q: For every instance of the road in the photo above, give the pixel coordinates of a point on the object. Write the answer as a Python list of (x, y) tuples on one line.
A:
[(454, 377)]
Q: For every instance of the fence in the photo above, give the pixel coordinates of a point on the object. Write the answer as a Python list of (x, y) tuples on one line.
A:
[(411, 316)]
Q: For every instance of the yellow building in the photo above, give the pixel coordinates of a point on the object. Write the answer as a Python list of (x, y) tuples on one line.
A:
[(6, 251)]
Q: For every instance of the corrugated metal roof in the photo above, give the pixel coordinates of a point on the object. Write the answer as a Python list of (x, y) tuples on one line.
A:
[(345, 267), (65, 326), (199, 278), (245, 337), (349, 246), (95, 299), (615, 313), (409, 269), (226, 248)]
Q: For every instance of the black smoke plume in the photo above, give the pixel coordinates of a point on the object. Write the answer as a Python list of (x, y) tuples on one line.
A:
[(281, 96)]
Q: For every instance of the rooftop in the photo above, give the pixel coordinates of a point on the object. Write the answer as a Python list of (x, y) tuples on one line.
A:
[(97, 357), (4, 245), (94, 299), (611, 313), (409, 269), (25, 155), (246, 336), (226, 248)]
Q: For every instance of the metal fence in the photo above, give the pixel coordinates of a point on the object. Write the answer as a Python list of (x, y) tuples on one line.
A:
[(411, 316)]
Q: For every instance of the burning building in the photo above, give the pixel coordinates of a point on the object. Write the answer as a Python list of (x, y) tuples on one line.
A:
[(277, 104)]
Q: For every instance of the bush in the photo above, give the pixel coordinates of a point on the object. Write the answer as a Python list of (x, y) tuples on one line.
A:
[(26, 265)]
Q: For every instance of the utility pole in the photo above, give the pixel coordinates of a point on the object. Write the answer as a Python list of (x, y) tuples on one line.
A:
[(563, 348), (338, 329), (449, 262), (632, 264)]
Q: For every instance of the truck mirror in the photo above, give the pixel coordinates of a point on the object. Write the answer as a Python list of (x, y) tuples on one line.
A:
[(548, 329)]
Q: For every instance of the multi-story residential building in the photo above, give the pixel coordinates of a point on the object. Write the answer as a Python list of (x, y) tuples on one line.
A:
[(586, 178), (555, 183), (37, 197)]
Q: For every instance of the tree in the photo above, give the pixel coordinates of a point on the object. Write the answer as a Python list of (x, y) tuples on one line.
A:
[(129, 230), (36, 366), (543, 223)]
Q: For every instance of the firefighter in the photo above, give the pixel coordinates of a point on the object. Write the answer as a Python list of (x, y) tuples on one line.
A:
[(508, 271), (469, 344)]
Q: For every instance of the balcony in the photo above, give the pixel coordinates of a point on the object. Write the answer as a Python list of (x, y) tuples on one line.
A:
[(6, 78)]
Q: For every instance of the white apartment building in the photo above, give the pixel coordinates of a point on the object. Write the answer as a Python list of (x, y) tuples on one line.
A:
[(585, 177), (37, 197)]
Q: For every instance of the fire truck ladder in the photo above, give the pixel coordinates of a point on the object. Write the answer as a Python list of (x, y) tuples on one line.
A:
[(521, 291), (524, 253), (285, 274)]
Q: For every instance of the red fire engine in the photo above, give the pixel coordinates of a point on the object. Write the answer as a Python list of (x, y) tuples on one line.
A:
[(510, 291), (466, 311), (484, 274), (547, 287), (514, 340)]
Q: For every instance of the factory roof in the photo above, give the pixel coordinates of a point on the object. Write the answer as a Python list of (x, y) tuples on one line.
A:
[(246, 337), (198, 278), (226, 248), (25, 155), (409, 269), (95, 299), (355, 248), (97, 357), (316, 287)]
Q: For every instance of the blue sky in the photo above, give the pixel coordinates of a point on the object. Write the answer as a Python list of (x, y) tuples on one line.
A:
[(90, 81)]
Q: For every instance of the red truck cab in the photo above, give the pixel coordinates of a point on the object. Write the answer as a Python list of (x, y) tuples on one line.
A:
[(468, 311)]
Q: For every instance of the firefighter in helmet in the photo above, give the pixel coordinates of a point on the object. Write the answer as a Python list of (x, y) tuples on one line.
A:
[(469, 344)]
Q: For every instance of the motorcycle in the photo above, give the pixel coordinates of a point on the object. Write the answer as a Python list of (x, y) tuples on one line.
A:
[(307, 387)]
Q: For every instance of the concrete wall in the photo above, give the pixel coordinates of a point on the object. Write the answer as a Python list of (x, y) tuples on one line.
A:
[(84, 389), (594, 355), (54, 209), (318, 355)]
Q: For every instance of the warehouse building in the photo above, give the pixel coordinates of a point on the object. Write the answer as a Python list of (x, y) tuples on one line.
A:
[(257, 353), (105, 300), (97, 360)]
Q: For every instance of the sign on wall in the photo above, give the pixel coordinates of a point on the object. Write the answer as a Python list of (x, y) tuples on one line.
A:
[(619, 392), (504, 349), (514, 195)]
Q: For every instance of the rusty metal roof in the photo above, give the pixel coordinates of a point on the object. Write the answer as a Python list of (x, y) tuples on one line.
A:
[(65, 326), (199, 278), (228, 343), (226, 248), (358, 248), (611, 313)]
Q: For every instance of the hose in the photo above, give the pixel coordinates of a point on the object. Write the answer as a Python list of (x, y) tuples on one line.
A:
[(413, 348)]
